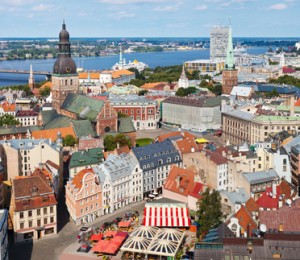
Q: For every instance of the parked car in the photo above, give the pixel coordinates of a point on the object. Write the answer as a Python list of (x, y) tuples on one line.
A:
[(218, 132), (128, 214), (84, 228), (117, 220)]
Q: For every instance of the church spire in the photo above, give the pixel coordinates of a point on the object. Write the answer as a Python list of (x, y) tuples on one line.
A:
[(229, 63), (31, 78), (183, 75)]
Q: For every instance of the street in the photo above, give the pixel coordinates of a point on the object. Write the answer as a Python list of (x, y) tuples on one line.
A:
[(51, 248)]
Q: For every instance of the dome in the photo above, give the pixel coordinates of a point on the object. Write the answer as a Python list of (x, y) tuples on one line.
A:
[(64, 34), (64, 65)]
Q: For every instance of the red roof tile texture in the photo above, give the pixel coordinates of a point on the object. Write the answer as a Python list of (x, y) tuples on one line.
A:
[(180, 181)]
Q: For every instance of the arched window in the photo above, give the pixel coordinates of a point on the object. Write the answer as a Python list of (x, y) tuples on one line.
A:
[(71, 82), (66, 82)]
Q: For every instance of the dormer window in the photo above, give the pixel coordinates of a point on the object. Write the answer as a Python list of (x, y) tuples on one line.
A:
[(160, 162), (168, 160)]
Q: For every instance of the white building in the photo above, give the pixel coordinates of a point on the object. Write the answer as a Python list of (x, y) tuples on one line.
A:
[(27, 117), (121, 179)]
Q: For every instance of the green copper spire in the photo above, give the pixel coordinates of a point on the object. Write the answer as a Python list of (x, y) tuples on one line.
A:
[(229, 63)]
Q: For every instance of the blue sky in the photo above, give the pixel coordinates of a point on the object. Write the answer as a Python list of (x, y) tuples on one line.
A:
[(149, 18)]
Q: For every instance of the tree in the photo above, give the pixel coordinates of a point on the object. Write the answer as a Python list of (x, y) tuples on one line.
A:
[(45, 92), (8, 120), (143, 92), (209, 212), (110, 141), (180, 92), (69, 140)]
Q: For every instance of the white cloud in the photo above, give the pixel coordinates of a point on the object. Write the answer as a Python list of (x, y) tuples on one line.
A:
[(122, 14), (201, 7), (42, 8), (279, 6), (168, 8), (123, 2)]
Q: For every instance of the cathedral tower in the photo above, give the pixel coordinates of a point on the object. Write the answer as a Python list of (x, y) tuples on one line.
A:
[(64, 77), (31, 79), (229, 74)]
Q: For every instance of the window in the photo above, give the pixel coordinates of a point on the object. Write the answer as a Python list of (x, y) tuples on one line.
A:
[(21, 225), (29, 213), (52, 220), (30, 223), (45, 210), (21, 215), (51, 209), (38, 222), (45, 221)]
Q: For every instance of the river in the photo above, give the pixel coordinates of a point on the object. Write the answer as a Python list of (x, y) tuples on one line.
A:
[(153, 59)]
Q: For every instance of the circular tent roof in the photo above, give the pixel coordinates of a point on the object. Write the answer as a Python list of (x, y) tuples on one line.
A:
[(170, 234), (136, 244), (143, 231), (154, 241), (163, 247)]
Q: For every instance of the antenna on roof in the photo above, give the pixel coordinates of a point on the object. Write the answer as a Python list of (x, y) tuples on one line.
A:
[(262, 228)]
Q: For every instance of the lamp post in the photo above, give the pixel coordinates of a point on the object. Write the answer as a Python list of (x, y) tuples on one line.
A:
[(250, 248)]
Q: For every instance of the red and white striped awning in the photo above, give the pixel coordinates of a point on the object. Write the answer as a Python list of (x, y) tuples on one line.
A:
[(166, 217)]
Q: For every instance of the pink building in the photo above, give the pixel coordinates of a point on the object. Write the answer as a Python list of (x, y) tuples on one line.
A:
[(84, 197), (183, 185)]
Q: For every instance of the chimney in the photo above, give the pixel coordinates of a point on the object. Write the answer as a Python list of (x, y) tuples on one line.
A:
[(292, 105), (249, 230), (178, 178), (223, 153), (274, 190), (118, 145), (273, 146)]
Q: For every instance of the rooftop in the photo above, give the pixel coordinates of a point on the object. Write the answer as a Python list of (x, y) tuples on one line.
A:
[(261, 176), (91, 156)]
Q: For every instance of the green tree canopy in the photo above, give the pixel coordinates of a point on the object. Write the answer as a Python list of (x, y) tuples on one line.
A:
[(286, 79), (110, 141), (45, 92), (209, 212), (182, 92), (7, 119), (69, 140)]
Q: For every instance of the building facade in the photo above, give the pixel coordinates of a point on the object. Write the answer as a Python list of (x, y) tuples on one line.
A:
[(33, 208), (192, 114), (4, 234), (121, 179), (143, 111), (27, 117), (156, 160), (210, 67), (21, 156), (84, 197)]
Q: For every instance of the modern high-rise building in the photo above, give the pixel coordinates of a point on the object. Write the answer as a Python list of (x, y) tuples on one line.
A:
[(218, 42)]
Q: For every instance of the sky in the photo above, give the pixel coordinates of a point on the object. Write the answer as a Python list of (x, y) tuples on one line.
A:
[(149, 18)]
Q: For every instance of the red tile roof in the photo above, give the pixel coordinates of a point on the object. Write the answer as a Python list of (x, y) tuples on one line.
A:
[(268, 201), (217, 157), (287, 216), (180, 181), (251, 205), (187, 145), (183, 134), (77, 180), (52, 133), (198, 188), (244, 218), (32, 192), (8, 107), (25, 113)]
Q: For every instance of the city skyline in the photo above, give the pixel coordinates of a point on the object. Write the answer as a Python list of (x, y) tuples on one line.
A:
[(149, 18)]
